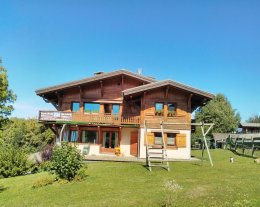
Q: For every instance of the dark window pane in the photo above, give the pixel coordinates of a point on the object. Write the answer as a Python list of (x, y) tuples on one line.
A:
[(171, 107), (171, 139), (89, 137), (158, 138), (75, 106)]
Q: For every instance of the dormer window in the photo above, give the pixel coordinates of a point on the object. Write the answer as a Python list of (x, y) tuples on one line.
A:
[(172, 109), (75, 106), (159, 109)]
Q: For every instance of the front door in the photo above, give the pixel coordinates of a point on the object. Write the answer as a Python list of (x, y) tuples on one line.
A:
[(134, 143), (110, 141)]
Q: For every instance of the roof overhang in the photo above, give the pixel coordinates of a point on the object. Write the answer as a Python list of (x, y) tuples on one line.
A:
[(199, 97), (171, 83), (103, 76)]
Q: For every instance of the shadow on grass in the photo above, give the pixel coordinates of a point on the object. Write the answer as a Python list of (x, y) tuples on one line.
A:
[(240, 154), (3, 189)]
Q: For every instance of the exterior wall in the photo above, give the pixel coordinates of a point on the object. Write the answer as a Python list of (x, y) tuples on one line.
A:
[(100, 92), (177, 153), (125, 141)]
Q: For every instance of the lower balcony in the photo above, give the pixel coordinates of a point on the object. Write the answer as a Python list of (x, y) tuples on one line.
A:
[(95, 118)]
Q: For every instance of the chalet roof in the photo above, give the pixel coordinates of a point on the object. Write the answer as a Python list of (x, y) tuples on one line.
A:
[(165, 83), (253, 125), (92, 79)]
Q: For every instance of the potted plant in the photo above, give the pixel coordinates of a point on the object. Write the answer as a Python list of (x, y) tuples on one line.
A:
[(171, 113), (159, 113), (117, 151)]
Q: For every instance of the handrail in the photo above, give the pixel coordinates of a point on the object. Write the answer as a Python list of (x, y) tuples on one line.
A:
[(97, 118)]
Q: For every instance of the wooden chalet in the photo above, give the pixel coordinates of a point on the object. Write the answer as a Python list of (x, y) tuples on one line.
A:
[(109, 109), (248, 128)]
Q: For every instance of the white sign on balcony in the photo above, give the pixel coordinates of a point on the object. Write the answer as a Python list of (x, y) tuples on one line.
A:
[(55, 116)]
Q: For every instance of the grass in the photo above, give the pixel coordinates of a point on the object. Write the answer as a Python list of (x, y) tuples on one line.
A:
[(130, 184)]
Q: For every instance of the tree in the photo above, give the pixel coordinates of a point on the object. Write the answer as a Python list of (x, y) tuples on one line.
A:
[(220, 112), (254, 119), (27, 134), (7, 97)]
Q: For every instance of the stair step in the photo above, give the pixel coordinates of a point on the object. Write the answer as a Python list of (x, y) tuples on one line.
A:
[(155, 153), (155, 147)]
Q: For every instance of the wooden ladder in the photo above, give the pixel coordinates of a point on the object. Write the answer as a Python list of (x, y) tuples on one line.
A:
[(156, 155)]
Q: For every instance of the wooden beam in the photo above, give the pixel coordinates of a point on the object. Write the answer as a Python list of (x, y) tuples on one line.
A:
[(122, 83), (80, 98), (166, 93), (99, 135), (189, 110), (101, 88), (120, 136)]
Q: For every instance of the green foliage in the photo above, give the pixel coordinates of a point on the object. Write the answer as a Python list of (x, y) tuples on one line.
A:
[(7, 97), (254, 119), (13, 161), (27, 134), (220, 112), (81, 174), (66, 161), (46, 166), (43, 181)]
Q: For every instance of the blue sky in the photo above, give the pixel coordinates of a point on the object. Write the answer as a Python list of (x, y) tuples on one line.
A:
[(210, 45)]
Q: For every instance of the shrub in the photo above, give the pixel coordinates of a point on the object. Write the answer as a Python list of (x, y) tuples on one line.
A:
[(13, 161), (43, 181), (81, 174), (66, 161), (46, 166)]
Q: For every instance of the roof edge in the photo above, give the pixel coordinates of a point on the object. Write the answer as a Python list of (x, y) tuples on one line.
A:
[(42, 91), (164, 83)]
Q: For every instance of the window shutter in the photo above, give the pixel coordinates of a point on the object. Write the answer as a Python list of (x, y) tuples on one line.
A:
[(181, 140), (150, 138)]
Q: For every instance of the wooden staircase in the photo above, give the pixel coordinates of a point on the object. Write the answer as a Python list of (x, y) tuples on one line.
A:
[(156, 155)]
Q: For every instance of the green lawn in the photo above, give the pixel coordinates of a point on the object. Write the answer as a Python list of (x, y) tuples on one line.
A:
[(130, 184)]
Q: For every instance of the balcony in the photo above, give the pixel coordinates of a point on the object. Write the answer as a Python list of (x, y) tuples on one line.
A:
[(87, 118)]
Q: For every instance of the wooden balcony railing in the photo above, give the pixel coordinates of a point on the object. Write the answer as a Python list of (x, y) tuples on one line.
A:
[(95, 118)]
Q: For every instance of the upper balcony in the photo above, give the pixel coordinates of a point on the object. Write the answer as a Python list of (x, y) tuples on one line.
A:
[(88, 118)]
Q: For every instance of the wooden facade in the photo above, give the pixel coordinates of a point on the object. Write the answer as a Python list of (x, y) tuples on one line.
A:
[(105, 104)]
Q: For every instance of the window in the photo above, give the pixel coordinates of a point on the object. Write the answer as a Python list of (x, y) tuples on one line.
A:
[(75, 106), (115, 108), (91, 107), (171, 109), (110, 139), (159, 109), (158, 138), (74, 136), (89, 137), (66, 136), (171, 139), (112, 108)]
